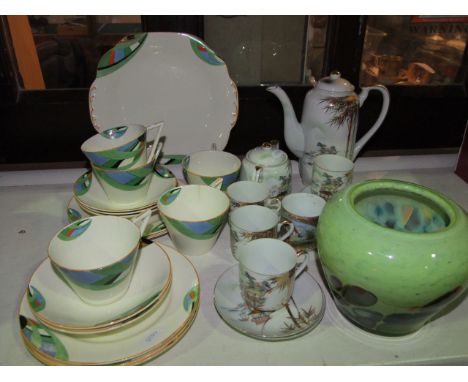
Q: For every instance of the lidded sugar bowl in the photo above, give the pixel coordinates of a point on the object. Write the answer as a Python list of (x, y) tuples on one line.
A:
[(270, 165)]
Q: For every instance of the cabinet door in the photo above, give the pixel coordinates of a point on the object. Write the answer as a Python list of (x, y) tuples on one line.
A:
[(423, 62)]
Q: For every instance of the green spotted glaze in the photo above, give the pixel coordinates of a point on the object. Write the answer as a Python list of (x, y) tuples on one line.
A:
[(392, 278)]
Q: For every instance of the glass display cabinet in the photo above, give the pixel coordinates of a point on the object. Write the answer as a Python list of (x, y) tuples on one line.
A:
[(48, 63)]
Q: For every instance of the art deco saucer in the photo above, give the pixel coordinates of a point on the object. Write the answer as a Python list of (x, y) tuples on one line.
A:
[(54, 303), (154, 229), (134, 344), (89, 193), (302, 314)]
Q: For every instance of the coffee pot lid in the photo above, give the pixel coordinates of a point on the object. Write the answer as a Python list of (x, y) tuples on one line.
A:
[(267, 155), (334, 83)]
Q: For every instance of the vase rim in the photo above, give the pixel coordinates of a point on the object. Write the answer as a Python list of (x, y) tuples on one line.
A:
[(441, 201)]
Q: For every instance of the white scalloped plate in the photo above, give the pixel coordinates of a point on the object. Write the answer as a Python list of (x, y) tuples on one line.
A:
[(170, 77)]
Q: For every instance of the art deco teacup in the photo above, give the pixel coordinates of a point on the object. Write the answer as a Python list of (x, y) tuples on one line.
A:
[(208, 167), (127, 186), (96, 256), (194, 215), (267, 271), (121, 147)]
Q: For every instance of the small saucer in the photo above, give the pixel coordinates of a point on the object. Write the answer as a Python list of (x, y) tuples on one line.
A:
[(57, 306), (134, 344), (89, 193), (155, 228), (302, 314)]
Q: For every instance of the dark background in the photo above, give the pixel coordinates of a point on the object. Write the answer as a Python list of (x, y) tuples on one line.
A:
[(45, 129)]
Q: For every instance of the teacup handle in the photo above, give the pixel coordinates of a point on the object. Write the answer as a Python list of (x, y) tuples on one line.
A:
[(150, 128), (217, 183), (142, 220), (273, 204), (289, 230), (302, 263), (155, 151)]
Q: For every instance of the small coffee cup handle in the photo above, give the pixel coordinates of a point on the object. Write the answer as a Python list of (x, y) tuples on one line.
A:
[(302, 263), (273, 204), (288, 232), (142, 220), (217, 183)]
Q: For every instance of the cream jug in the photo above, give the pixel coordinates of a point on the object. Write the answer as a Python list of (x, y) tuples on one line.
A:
[(329, 118), (270, 165)]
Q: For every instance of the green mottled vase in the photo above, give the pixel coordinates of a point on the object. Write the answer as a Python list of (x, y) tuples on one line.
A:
[(394, 254)]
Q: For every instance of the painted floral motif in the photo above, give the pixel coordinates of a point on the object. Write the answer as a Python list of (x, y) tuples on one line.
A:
[(191, 298), (41, 338), (204, 53), (120, 54), (74, 230), (256, 290), (35, 299), (328, 184), (344, 111), (296, 320), (303, 232), (240, 237)]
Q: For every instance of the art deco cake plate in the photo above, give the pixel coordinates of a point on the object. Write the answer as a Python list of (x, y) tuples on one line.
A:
[(170, 77)]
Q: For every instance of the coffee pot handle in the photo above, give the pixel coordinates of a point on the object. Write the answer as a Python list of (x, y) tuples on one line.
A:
[(383, 112)]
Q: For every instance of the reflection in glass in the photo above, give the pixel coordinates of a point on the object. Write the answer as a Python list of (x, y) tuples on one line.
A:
[(69, 47), (268, 49), (413, 50)]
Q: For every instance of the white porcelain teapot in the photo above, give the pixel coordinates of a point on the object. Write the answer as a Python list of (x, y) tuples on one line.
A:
[(329, 118), (270, 165)]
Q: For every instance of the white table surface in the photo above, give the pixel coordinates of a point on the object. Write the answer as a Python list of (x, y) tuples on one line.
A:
[(32, 206)]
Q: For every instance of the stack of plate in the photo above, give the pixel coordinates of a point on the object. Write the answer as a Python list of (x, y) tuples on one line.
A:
[(58, 328), (147, 77), (90, 199)]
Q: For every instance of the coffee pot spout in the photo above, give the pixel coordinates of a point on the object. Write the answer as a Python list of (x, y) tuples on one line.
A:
[(293, 132)]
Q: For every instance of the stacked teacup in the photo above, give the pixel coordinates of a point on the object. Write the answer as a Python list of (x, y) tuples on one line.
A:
[(122, 159)]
